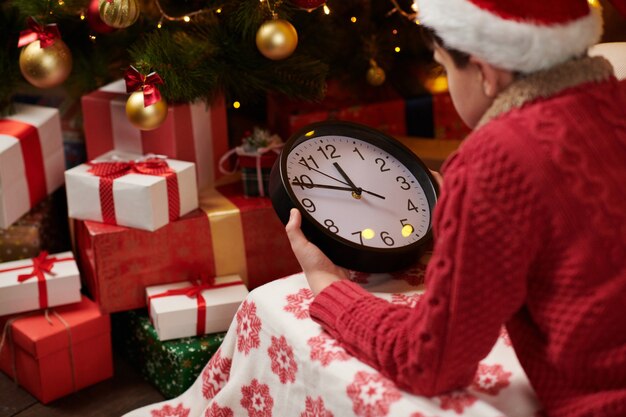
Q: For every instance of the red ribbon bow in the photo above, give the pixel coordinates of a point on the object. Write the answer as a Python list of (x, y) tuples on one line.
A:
[(47, 34), (109, 171), (115, 169), (195, 291), (136, 81)]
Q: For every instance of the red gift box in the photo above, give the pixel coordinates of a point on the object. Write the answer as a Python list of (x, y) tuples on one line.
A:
[(117, 263), (55, 352), (191, 132), (446, 120), (232, 234), (380, 109), (248, 238)]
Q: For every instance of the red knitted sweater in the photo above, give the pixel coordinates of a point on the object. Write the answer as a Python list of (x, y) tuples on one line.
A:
[(530, 231)]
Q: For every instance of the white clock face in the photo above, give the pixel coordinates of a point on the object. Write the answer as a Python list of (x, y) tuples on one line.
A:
[(358, 191)]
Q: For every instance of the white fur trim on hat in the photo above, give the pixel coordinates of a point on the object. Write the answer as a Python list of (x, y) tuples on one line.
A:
[(513, 45)]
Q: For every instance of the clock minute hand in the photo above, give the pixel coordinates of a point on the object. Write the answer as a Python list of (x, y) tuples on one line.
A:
[(324, 174), (330, 187)]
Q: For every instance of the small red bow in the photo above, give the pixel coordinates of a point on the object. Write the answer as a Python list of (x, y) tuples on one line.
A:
[(115, 169), (47, 34), (136, 81), (41, 264)]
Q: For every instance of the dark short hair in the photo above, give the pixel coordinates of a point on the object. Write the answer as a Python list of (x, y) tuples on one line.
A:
[(430, 37)]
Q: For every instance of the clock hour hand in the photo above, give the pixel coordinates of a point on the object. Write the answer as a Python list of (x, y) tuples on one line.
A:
[(345, 176), (356, 189)]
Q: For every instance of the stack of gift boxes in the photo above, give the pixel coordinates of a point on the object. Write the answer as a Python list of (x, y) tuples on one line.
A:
[(157, 239)]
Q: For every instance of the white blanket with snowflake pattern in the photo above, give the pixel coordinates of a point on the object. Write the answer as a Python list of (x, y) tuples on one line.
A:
[(276, 362)]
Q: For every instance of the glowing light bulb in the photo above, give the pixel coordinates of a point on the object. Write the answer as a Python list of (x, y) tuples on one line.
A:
[(353, 19), (407, 230), (326, 10), (186, 19), (236, 104), (368, 234), (397, 49)]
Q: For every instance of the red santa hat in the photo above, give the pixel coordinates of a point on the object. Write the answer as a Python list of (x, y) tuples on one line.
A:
[(518, 35)]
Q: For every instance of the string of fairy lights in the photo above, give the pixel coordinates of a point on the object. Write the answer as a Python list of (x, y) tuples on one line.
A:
[(105, 16)]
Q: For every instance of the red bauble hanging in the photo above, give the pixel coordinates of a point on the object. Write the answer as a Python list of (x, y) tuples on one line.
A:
[(93, 18), (309, 4)]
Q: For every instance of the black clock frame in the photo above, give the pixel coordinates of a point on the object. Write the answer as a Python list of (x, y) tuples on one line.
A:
[(341, 251)]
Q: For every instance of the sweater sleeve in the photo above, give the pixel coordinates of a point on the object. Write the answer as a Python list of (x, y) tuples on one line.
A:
[(475, 281)]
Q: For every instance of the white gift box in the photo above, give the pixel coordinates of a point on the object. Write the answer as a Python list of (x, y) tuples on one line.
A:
[(62, 284), (176, 316), (32, 161), (139, 200)]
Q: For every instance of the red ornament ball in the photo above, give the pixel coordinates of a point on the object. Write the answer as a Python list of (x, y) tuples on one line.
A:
[(309, 4), (93, 18)]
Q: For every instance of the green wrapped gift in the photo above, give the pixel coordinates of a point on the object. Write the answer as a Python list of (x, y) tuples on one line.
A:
[(171, 366)]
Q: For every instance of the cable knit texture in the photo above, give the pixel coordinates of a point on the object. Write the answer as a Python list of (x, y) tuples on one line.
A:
[(530, 231)]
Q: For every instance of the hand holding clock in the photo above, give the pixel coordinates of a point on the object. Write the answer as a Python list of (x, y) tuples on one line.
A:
[(320, 272)]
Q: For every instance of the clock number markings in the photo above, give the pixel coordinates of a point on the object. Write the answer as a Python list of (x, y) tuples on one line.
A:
[(407, 228), (411, 206), (304, 181), (359, 153), (308, 204), (388, 240), (331, 149), (360, 233), (403, 182), (330, 225), (382, 166), (303, 161)]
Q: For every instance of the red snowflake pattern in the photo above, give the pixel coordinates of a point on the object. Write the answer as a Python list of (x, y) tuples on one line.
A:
[(414, 276), (257, 399), (406, 300), (315, 408), (456, 400), (359, 277), (168, 411), (298, 303), (372, 394), (217, 411), (504, 335), (215, 375), (248, 327), (491, 379), (326, 349), (283, 363)]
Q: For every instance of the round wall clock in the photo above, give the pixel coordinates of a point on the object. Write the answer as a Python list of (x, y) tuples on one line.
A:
[(366, 200)]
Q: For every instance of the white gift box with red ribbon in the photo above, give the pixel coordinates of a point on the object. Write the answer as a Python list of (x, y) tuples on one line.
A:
[(41, 282), (32, 161), (190, 308), (137, 191)]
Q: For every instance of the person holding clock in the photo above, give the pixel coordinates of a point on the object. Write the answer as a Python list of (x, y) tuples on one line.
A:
[(530, 224)]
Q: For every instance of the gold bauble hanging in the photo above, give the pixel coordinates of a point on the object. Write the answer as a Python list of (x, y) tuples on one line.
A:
[(145, 118), (119, 13), (46, 67), (277, 39), (375, 75)]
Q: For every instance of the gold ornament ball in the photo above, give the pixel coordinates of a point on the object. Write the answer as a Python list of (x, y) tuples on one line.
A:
[(119, 13), (145, 118), (277, 39), (46, 67), (375, 76)]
